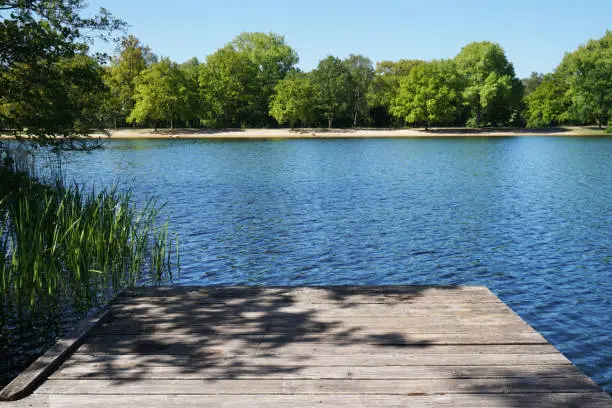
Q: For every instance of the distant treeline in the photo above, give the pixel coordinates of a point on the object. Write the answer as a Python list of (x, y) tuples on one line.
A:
[(253, 81)]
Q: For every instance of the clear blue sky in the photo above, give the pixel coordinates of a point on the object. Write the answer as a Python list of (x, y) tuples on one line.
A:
[(534, 33)]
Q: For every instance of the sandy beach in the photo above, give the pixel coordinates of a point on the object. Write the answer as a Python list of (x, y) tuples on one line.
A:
[(319, 133), (345, 133)]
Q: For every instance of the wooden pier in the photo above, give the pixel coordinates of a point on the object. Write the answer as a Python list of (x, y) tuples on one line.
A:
[(383, 346)]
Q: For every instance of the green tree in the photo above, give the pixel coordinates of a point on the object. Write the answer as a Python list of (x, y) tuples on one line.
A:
[(227, 88), (43, 58), (133, 58), (157, 95), (531, 83), (189, 98), (63, 104), (361, 73), (588, 70), (384, 88), (492, 91), (332, 82), (294, 100), (549, 104), (272, 59), (430, 94)]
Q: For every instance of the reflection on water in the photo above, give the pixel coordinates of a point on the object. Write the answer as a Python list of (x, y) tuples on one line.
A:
[(528, 217)]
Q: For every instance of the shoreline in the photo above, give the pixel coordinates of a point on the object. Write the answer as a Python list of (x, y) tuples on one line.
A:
[(318, 133), (343, 133)]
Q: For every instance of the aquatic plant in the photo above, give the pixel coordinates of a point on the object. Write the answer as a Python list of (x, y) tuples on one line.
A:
[(62, 247)]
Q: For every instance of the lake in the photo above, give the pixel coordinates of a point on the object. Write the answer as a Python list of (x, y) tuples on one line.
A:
[(530, 218)]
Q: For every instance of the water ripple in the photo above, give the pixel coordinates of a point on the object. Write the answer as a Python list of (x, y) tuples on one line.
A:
[(528, 217)]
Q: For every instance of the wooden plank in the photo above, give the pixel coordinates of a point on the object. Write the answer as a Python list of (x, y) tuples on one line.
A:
[(192, 372), (240, 346), (190, 344), (305, 298), (333, 295), (299, 360), (382, 327), (539, 400), (245, 291), (317, 309), (29, 379), (316, 387)]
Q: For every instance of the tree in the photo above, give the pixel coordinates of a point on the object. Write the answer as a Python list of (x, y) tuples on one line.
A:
[(431, 93), (385, 86), (531, 83), (492, 91), (189, 99), (227, 88), (43, 44), (158, 94), (133, 58), (588, 70), (361, 73), (333, 87), (63, 103), (272, 59), (549, 104), (238, 80), (294, 100)]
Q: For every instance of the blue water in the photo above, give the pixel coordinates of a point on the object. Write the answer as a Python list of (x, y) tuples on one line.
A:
[(531, 218)]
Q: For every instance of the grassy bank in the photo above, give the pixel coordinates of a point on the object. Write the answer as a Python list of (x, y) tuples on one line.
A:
[(64, 251)]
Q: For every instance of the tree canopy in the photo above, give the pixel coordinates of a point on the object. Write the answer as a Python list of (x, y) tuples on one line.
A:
[(45, 72), (51, 84), (430, 94), (294, 100), (492, 90)]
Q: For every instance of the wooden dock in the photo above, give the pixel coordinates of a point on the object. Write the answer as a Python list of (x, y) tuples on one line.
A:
[(389, 346)]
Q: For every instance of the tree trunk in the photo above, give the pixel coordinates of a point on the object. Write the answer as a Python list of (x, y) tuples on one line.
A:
[(329, 122), (355, 119), (171, 124), (478, 115)]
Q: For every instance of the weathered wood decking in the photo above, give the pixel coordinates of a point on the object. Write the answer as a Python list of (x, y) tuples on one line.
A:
[(394, 346)]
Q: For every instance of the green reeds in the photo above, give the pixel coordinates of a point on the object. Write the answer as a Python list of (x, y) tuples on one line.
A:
[(64, 247)]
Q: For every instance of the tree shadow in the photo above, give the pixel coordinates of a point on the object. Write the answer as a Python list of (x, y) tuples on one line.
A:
[(509, 130), (213, 334), (230, 332)]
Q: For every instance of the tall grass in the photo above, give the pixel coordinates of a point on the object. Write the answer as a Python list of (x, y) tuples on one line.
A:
[(62, 247)]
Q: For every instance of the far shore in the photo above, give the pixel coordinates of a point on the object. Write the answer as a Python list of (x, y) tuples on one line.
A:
[(347, 133), (323, 133)]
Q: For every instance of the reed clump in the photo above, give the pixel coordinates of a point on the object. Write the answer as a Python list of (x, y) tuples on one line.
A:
[(67, 250)]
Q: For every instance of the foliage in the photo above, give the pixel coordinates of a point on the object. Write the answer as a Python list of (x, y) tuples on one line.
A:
[(549, 103), (43, 44), (589, 73), (190, 108), (531, 83), (226, 88), (492, 91), (293, 101), (62, 247), (271, 59), (158, 92), (385, 86), (332, 81), (237, 81), (59, 101), (133, 58), (361, 73), (430, 94)]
